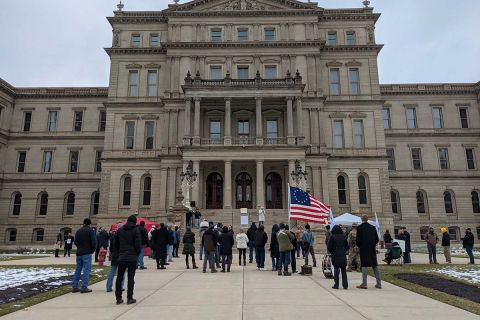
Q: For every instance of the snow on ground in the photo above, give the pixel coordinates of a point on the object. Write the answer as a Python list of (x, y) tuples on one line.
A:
[(462, 273), (462, 252), (456, 251), (10, 278)]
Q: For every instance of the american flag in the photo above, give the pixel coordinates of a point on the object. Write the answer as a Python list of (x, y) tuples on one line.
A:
[(303, 206)]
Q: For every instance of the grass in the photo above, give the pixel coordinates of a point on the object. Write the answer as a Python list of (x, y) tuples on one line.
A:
[(388, 274), (44, 296), (12, 258)]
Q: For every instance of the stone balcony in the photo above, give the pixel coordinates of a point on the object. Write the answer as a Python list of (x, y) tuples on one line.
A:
[(244, 141)]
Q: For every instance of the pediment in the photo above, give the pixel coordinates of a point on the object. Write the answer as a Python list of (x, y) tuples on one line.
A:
[(242, 5)]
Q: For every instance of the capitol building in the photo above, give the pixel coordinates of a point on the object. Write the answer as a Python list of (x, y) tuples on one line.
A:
[(240, 92)]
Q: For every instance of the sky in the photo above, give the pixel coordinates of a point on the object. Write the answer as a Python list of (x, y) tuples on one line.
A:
[(61, 42)]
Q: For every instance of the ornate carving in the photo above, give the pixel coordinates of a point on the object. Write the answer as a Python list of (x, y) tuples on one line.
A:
[(244, 5), (116, 38), (337, 115), (371, 34)]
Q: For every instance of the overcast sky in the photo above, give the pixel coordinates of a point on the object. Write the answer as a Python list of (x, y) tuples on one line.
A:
[(60, 42)]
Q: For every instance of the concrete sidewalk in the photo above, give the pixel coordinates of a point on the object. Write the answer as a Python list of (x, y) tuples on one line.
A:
[(245, 293)]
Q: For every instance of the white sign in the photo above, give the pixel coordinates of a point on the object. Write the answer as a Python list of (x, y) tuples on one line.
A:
[(244, 220), (243, 210)]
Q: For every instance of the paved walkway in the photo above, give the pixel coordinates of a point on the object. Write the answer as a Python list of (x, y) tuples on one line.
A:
[(245, 293)]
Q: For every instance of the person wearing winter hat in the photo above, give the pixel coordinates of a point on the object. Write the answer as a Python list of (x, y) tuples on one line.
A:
[(446, 245), (85, 240)]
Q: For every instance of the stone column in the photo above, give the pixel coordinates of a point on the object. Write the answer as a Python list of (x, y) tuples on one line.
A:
[(291, 167), (316, 182), (196, 127), (227, 193), (299, 118), (195, 188), (188, 107), (326, 196), (290, 136), (259, 121), (260, 185), (227, 139)]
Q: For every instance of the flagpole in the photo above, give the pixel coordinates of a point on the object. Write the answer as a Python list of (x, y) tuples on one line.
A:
[(288, 186)]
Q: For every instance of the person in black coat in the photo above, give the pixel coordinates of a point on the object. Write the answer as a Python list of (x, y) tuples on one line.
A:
[(468, 242), (159, 245), (225, 240), (69, 239), (338, 247), (128, 243), (189, 247), (85, 240), (260, 241), (144, 238), (102, 242), (274, 250), (405, 236), (251, 241), (387, 239), (367, 239), (293, 260)]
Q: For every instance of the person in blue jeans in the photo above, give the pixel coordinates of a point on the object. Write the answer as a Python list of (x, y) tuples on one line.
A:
[(85, 240), (468, 242), (113, 261), (261, 239), (285, 247), (144, 238)]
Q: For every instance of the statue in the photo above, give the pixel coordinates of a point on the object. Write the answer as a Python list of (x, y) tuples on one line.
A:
[(371, 34)]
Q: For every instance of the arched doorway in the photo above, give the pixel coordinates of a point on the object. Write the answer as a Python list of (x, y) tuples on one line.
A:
[(214, 191), (273, 191), (243, 191)]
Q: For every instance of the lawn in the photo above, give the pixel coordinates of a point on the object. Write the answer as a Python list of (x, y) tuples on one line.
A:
[(458, 273), (58, 286), (19, 257)]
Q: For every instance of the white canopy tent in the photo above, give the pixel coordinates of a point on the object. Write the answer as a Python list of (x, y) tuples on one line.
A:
[(347, 219)]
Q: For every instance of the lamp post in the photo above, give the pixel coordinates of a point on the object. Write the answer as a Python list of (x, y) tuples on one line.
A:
[(299, 176), (188, 178)]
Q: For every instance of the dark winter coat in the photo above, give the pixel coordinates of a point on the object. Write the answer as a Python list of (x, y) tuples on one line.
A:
[(468, 240), (143, 235), (103, 239), (160, 242), (251, 232), (294, 241), (188, 242), (69, 246), (338, 247), (85, 240), (367, 239), (405, 236), (260, 239), (226, 243), (171, 239), (209, 240), (387, 238), (445, 240), (274, 248), (127, 243), (113, 251)]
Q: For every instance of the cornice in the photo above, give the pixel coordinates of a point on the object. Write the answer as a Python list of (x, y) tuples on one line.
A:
[(146, 50), (244, 44), (429, 88), (338, 48)]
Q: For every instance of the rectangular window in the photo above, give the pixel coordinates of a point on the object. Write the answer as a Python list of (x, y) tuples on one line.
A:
[(386, 118), (463, 117), (391, 159), (129, 135), (358, 140), (411, 118), (215, 72), (149, 134), (136, 40), (133, 83), (416, 158), (98, 161), (242, 72), (39, 235), (272, 128), (470, 155), (269, 34), (77, 121), (334, 82), (242, 34), (22, 158), (102, 121), (27, 120), (12, 236), (351, 38), (243, 127), (152, 83), (338, 133), (443, 158), (216, 35), (52, 121), (215, 130), (47, 161), (354, 82), (332, 38), (437, 117), (270, 72), (73, 162), (154, 40)]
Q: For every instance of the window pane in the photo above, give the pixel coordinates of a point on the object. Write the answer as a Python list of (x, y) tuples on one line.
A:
[(47, 161), (443, 157), (243, 127), (149, 133), (342, 194), (338, 133), (216, 35), (215, 129), (391, 159), (351, 39), (411, 120), (103, 121), (78, 121), (386, 118), (43, 204), (332, 38), (394, 201), (243, 34), (147, 186), (272, 129), (215, 72), (470, 159), (152, 83), (358, 133), (269, 34), (27, 121), (70, 203), (127, 185), (334, 82), (420, 202), (416, 159), (73, 161), (354, 84), (447, 198), (242, 72), (130, 134), (437, 118), (17, 204), (133, 83), (464, 117), (475, 202), (22, 157), (154, 40), (270, 72), (135, 40), (96, 203), (98, 163), (52, 121)]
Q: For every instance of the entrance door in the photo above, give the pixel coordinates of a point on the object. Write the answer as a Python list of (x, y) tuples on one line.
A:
[(273, 191), (214, 191), (243, 191)]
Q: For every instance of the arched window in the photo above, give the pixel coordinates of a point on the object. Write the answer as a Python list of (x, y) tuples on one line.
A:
[(395, 199), (273, 191), (127, 191), (475, 202), (362, 189), (214, 191), (16, 203), (70, 203), (243, 187), (423, 232), (38, 234), (342, 189), (95, 203), (146, 191), (42, 203), (448, 202), (11, 235), (421, 202)]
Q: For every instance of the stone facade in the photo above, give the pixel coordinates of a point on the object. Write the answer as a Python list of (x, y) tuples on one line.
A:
[(240, 91)]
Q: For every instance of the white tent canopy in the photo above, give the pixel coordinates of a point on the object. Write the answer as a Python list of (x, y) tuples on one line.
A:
[(347, 219)]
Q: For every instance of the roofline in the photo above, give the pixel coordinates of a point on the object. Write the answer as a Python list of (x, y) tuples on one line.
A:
[(430, 88)]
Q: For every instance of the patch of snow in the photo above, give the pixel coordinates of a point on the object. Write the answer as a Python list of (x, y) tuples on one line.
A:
[(10, 278), (471, 275)]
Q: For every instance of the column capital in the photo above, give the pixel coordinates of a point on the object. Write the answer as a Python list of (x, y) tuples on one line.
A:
[(258, 161), (228, 99), (188, 99), (227, 161), (289, 98), (197, 99), (258, 98), (298, 98)]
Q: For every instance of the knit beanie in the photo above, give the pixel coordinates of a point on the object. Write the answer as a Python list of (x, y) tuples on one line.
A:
[(132, 218)]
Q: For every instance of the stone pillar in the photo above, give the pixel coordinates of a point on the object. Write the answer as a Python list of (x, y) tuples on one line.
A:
[(227, 139), (227, 193), (290, 136), (299, 117), (260, 185), (258, 121), (196, 126), (195, 188), (326, 196), (317, 182), (188, 107), (291, 167)]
